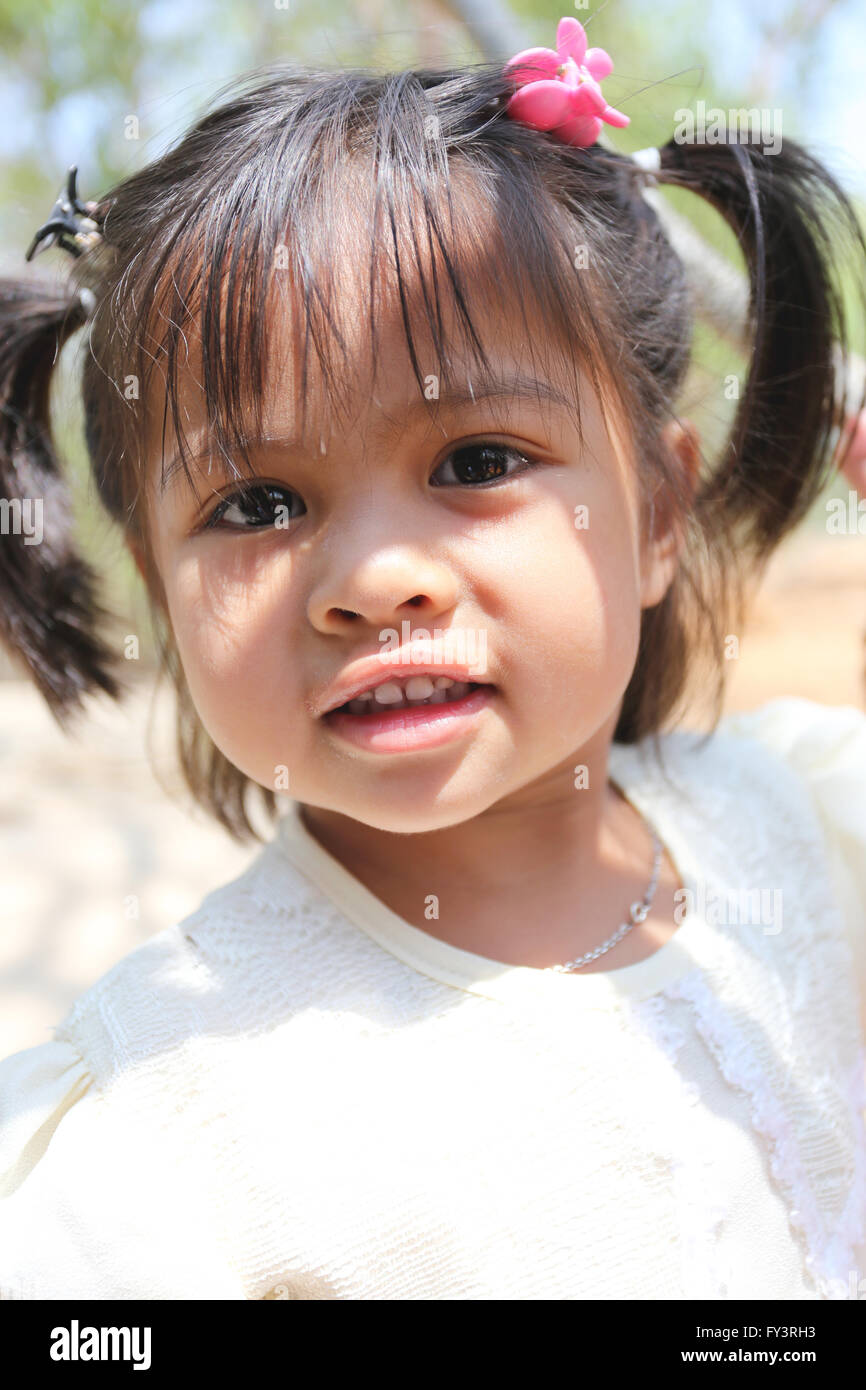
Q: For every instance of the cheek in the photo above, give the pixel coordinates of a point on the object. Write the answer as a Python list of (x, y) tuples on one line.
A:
[(608, 584), (573, 591), (233, 635)]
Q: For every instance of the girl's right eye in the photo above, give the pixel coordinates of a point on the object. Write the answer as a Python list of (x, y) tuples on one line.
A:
[(253, 509)]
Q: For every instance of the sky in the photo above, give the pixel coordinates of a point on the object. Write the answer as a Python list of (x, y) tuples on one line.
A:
[(835, 128)]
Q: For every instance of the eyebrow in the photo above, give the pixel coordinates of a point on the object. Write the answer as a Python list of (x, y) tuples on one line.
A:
[(517, 388)]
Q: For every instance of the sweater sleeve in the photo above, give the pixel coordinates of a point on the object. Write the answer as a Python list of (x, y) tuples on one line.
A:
[(89, 1207), (826, 746)]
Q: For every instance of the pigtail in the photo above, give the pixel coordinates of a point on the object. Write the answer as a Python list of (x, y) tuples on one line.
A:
[(49, 616), (792, 220)]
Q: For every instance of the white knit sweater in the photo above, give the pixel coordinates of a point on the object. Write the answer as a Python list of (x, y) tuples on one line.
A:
[(296, 1094)]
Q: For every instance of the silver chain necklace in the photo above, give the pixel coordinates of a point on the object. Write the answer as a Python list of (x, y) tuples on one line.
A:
[(638, 912)]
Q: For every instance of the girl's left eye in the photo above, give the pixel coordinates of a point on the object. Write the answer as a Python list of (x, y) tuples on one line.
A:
[(478, 465)]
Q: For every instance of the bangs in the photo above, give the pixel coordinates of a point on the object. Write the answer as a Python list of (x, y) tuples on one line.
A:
[(364, 213)]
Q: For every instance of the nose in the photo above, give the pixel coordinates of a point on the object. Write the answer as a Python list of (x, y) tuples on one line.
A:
[(382, 589)]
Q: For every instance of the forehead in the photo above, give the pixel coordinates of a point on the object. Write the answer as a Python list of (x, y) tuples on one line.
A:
[(356, 383), (359, 330)]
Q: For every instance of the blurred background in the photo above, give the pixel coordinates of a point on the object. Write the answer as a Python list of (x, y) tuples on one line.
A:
[(99, 846)]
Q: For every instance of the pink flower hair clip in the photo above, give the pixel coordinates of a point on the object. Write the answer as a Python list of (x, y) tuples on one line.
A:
[(560, 92)]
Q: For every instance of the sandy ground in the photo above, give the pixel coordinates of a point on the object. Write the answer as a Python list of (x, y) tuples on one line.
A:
[(95, 857)]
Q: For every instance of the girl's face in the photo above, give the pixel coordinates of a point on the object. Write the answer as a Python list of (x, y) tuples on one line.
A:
[(385, 525)]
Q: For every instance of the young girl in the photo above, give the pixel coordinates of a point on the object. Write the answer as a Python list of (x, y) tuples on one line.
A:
[(528, 996)]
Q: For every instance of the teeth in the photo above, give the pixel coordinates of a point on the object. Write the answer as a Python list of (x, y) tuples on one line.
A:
[(418, 690), (419, 687), (388, 694)]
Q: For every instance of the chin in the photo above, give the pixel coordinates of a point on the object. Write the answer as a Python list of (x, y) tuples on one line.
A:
[(415, 819)]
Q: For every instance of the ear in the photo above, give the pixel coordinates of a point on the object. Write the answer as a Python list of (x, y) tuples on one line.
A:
[(663, 543), (853, 443)]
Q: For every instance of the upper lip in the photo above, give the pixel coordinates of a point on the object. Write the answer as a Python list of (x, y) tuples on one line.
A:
[(375, 670)]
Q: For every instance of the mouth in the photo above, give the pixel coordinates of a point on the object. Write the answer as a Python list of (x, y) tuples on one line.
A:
[(390, 720), (418, 692)]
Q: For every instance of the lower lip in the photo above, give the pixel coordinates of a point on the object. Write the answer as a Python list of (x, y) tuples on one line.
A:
[(405, 730)]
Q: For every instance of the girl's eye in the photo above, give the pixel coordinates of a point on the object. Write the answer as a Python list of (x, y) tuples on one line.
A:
[(261, 506), (480, 464), (254, 508)]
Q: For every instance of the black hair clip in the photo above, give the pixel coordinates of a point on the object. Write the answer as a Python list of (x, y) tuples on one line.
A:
[(71, 224)]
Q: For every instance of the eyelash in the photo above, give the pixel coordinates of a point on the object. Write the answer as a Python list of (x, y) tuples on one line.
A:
[(239, 497)]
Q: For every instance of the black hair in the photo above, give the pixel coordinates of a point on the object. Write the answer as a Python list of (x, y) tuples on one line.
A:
[(454, 200), (49, 613)]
